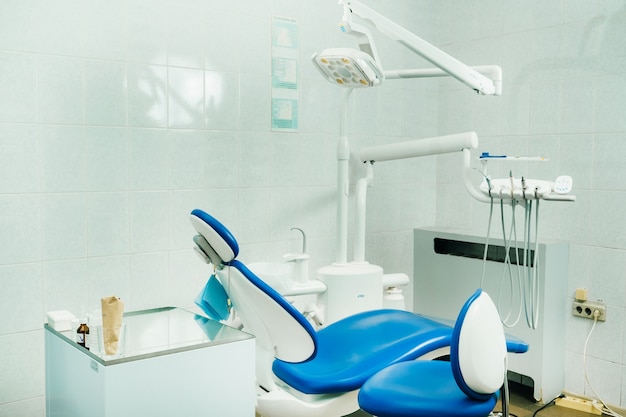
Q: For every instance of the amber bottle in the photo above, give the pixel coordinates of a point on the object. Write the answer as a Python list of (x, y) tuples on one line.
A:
[(81, 335)]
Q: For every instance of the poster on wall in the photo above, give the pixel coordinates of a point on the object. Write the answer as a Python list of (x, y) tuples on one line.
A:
[(285, 89)]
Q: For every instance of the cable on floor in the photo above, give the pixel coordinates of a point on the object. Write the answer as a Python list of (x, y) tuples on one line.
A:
[(547, 405)]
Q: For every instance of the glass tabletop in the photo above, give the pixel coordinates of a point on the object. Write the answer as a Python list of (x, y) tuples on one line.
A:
[(155, 332)]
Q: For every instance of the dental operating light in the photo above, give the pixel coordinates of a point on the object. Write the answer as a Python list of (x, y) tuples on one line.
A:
[(348, 67), (345, 64)]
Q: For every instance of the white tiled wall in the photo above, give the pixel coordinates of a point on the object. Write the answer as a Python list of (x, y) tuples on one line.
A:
[(564, 97), (119, 117)]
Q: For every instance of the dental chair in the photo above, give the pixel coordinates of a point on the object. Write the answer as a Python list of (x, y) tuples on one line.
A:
[(302, 372), (466, 386)]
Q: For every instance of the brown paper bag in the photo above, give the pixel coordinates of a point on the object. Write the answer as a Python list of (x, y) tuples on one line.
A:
[(112, 312)]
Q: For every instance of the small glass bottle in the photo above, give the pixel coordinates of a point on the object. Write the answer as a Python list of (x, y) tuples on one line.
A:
[(81, 335)]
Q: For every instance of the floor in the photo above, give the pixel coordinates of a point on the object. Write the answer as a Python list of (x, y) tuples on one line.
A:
[(522, 404)]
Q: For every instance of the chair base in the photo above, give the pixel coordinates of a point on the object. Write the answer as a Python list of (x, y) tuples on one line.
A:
[(279, 403)]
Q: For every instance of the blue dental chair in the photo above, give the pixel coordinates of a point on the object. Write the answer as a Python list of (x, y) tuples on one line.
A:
[(467, 386), (302, 372)]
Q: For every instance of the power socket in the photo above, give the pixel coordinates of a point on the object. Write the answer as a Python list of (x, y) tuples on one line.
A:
[(587, 308), (579, 404)]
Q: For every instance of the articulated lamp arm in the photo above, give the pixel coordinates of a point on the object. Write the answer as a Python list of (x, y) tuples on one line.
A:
[(452, 66)]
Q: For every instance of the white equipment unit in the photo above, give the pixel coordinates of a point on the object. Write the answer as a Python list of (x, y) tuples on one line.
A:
[(175, 363), (448, 265)]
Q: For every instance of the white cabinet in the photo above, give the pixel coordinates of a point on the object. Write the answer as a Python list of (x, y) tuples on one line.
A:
[(175, 363), (448, 267)]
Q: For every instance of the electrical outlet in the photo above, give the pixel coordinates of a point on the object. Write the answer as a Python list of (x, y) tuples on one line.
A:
[(586, 309)]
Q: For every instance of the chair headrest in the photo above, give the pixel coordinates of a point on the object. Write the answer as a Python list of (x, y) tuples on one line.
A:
[(478, 349), (217, 239)]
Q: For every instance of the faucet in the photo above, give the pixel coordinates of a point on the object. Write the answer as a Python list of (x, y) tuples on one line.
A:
[(303, 238), (300, 260)]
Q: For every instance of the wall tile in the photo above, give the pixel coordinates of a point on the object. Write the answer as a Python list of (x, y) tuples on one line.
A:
[(545, 50), (22, 286), (286, 212), (254, 215), (577, 103), (149, 221), (147, 38), (319, 216), (286, 159), (20, 216), (147, 95), (577, 10), (607, 217), (608, 162), (19, 159), (610, 113), (254, 113), (148, 155), (63, 158), (61, 93), (579, 56), (326, 119), (34, 407), (546, 13), (18, 78), (607, 280), (61, 27), (545, 108), (66, 286), (107, 224), (186, 98), (575, 222), (189, 150), (515, 61), (22, 366), (107, 159), (185, 37), (603, 376), (149, 281), (181, 205), (18, 25), (222, 94), (255, 43), (317, 160), (223, 160), (64, 226), (220, 55), (106, 90), (515, 113), (255, 160), (611, 30), (108, 276), (187, 276), (106, 33)]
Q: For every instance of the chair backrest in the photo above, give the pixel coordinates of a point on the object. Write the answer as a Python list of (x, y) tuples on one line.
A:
[(478, 349), (279, 327)]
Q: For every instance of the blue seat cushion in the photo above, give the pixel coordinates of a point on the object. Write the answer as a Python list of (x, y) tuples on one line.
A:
[(353, 349), (420, 388)]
